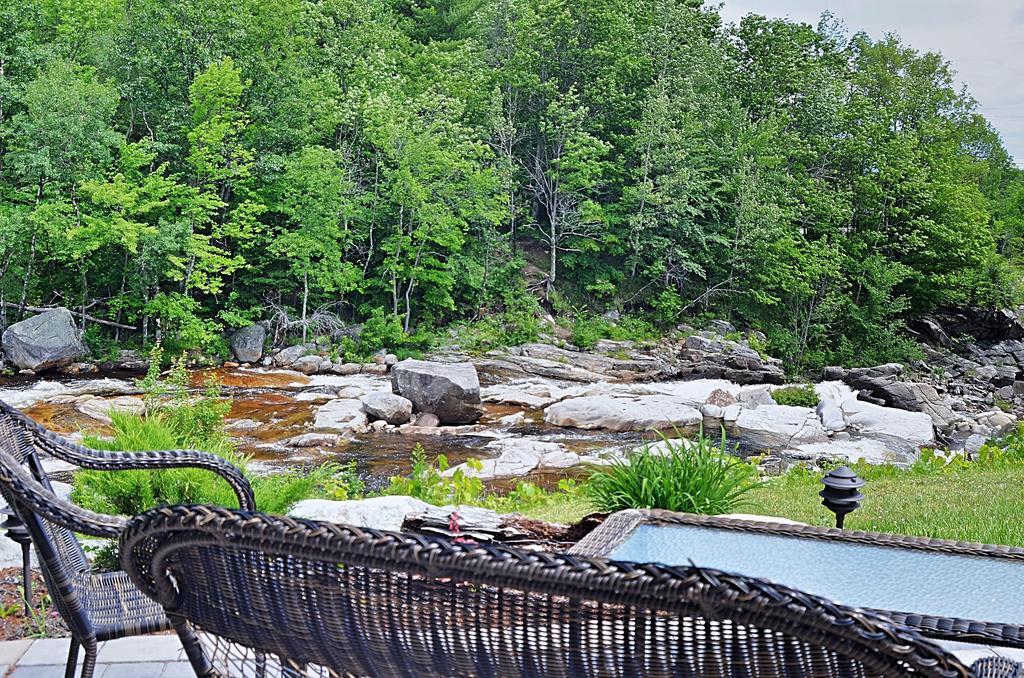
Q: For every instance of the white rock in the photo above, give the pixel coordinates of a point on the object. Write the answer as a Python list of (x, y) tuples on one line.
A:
[(780, 427), (101, 409), (381, 513), (512, 419), (732, 413), (831, 415), (638, 413), (340, 416), (519, 457), (712, 411), (903, 431), (391, 408), (755, 397), (859, 449), (313, 397)]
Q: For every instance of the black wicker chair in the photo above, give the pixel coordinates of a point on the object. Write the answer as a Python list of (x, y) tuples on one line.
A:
[(95, 606), (275, 596)]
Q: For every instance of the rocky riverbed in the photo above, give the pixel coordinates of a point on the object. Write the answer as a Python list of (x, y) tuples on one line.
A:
[(542, 411), (545, 410)]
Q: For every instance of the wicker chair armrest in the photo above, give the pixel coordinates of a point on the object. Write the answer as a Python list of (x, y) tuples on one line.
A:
[(30, 493), (101, 460)]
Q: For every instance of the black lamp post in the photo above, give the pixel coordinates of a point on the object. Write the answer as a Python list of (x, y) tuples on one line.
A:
[(18, 533), (841, 495)]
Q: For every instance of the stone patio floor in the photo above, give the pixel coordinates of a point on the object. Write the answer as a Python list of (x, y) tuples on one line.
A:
[(162, 657)]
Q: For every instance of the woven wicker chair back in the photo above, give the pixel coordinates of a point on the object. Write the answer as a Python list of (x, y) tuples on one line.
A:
[(325, 599)]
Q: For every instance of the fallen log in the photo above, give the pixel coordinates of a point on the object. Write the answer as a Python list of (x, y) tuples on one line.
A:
[(90, 318)]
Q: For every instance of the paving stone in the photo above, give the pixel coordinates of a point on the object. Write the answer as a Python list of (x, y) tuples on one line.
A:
[(142, 649), (50, 651), (45, 671), (135, 670), (11, 651)]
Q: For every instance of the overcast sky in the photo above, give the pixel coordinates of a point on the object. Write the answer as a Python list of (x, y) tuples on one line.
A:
[(984, 40)]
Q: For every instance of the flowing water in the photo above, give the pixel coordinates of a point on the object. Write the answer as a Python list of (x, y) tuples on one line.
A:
[(269, 407)]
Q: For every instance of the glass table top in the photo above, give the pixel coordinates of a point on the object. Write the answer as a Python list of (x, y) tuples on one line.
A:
[(897, 579)]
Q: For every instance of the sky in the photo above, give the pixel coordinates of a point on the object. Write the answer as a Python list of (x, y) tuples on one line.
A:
[(983, 39)]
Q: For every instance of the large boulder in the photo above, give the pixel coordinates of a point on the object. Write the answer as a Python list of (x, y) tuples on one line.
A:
[(394, 409), (612, 413), (450, 391), (904, 432), (247, 343), (287, 356), (343, 415), (780, 427), (44, 341)]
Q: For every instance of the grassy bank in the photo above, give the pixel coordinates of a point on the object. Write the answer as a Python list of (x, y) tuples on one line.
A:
[(978, 503)]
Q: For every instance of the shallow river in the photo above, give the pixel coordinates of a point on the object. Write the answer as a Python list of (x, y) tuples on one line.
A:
[(269, 407)]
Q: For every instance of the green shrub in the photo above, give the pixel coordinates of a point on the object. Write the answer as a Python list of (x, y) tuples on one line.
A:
[(132, 492), (429, 482), (381, 330), (176, 419), (690, 476), (797, 396), (588, 330)]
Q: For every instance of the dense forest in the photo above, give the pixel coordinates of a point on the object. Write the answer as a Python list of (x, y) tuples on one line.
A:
[(197, 165)]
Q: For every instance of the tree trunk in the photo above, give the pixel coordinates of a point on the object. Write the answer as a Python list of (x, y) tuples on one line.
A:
[(553, 254), (305, 299)]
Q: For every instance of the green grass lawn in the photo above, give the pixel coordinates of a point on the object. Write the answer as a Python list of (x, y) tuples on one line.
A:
[(974, 504), (984, 504)]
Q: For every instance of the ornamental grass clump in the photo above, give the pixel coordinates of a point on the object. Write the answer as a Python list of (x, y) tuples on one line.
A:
[(692, 476)]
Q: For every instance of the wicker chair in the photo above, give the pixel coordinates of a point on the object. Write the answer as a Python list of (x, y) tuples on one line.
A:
[(95, 606), (280, 597)]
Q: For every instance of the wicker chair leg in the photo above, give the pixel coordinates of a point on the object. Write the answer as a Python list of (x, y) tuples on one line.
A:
[(89, 663), (69, 671), (193, 648)]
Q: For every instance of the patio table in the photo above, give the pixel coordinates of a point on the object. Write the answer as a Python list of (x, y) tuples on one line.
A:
[(948, 590)]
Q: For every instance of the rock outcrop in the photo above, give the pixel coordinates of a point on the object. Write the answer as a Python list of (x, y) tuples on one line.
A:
[(780, 427), (44, 341), (518, 457), (707, 356), (381, 513), (450, 391), (623, 413)]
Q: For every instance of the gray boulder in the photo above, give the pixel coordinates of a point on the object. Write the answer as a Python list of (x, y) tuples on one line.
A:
[(381, 513), (394, 409), (309, 364), (247, 343), (639, 413), (44, 341), (450, 391), (287, 356)]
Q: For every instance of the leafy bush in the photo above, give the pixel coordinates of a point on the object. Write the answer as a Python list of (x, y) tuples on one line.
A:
[(429, 482), (381, 330), (589, 330), (132, 492), (797, 396), (177, 419), (690, 476)]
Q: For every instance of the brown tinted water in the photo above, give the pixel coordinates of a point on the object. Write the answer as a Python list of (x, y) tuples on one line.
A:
[(268, 408)]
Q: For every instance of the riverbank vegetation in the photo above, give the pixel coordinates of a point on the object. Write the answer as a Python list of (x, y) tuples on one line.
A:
[(178, 168)]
